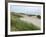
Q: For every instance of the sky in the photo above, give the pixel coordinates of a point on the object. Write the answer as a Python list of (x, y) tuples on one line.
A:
[(36, 10)]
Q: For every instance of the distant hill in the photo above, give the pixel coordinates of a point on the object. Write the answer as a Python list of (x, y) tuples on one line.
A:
[(15, 13)]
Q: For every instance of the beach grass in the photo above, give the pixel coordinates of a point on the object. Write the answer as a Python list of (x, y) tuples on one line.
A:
[(19, 25)]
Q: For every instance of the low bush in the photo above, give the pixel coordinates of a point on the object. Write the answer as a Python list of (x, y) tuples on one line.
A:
[(38, 16)]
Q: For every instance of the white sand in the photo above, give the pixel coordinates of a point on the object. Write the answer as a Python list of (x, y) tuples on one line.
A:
[(32, 19)]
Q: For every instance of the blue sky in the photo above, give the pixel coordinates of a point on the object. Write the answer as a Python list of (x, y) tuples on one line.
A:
[(25, 9)]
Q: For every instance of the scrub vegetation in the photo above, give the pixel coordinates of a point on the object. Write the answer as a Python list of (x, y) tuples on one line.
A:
[(19, 25)]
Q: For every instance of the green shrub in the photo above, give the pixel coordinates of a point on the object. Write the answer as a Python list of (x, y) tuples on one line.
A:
[(38, 16)]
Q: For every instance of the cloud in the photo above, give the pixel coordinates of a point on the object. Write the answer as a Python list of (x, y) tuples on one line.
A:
[(27, 10)]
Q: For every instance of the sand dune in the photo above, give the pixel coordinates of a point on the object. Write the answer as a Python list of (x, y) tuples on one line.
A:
[(31, 19)]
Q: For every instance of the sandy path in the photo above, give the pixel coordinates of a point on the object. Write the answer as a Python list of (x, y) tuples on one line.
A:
[(31, 19)]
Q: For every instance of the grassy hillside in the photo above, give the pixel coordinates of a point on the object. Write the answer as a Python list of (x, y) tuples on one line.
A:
[(19, 25)]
